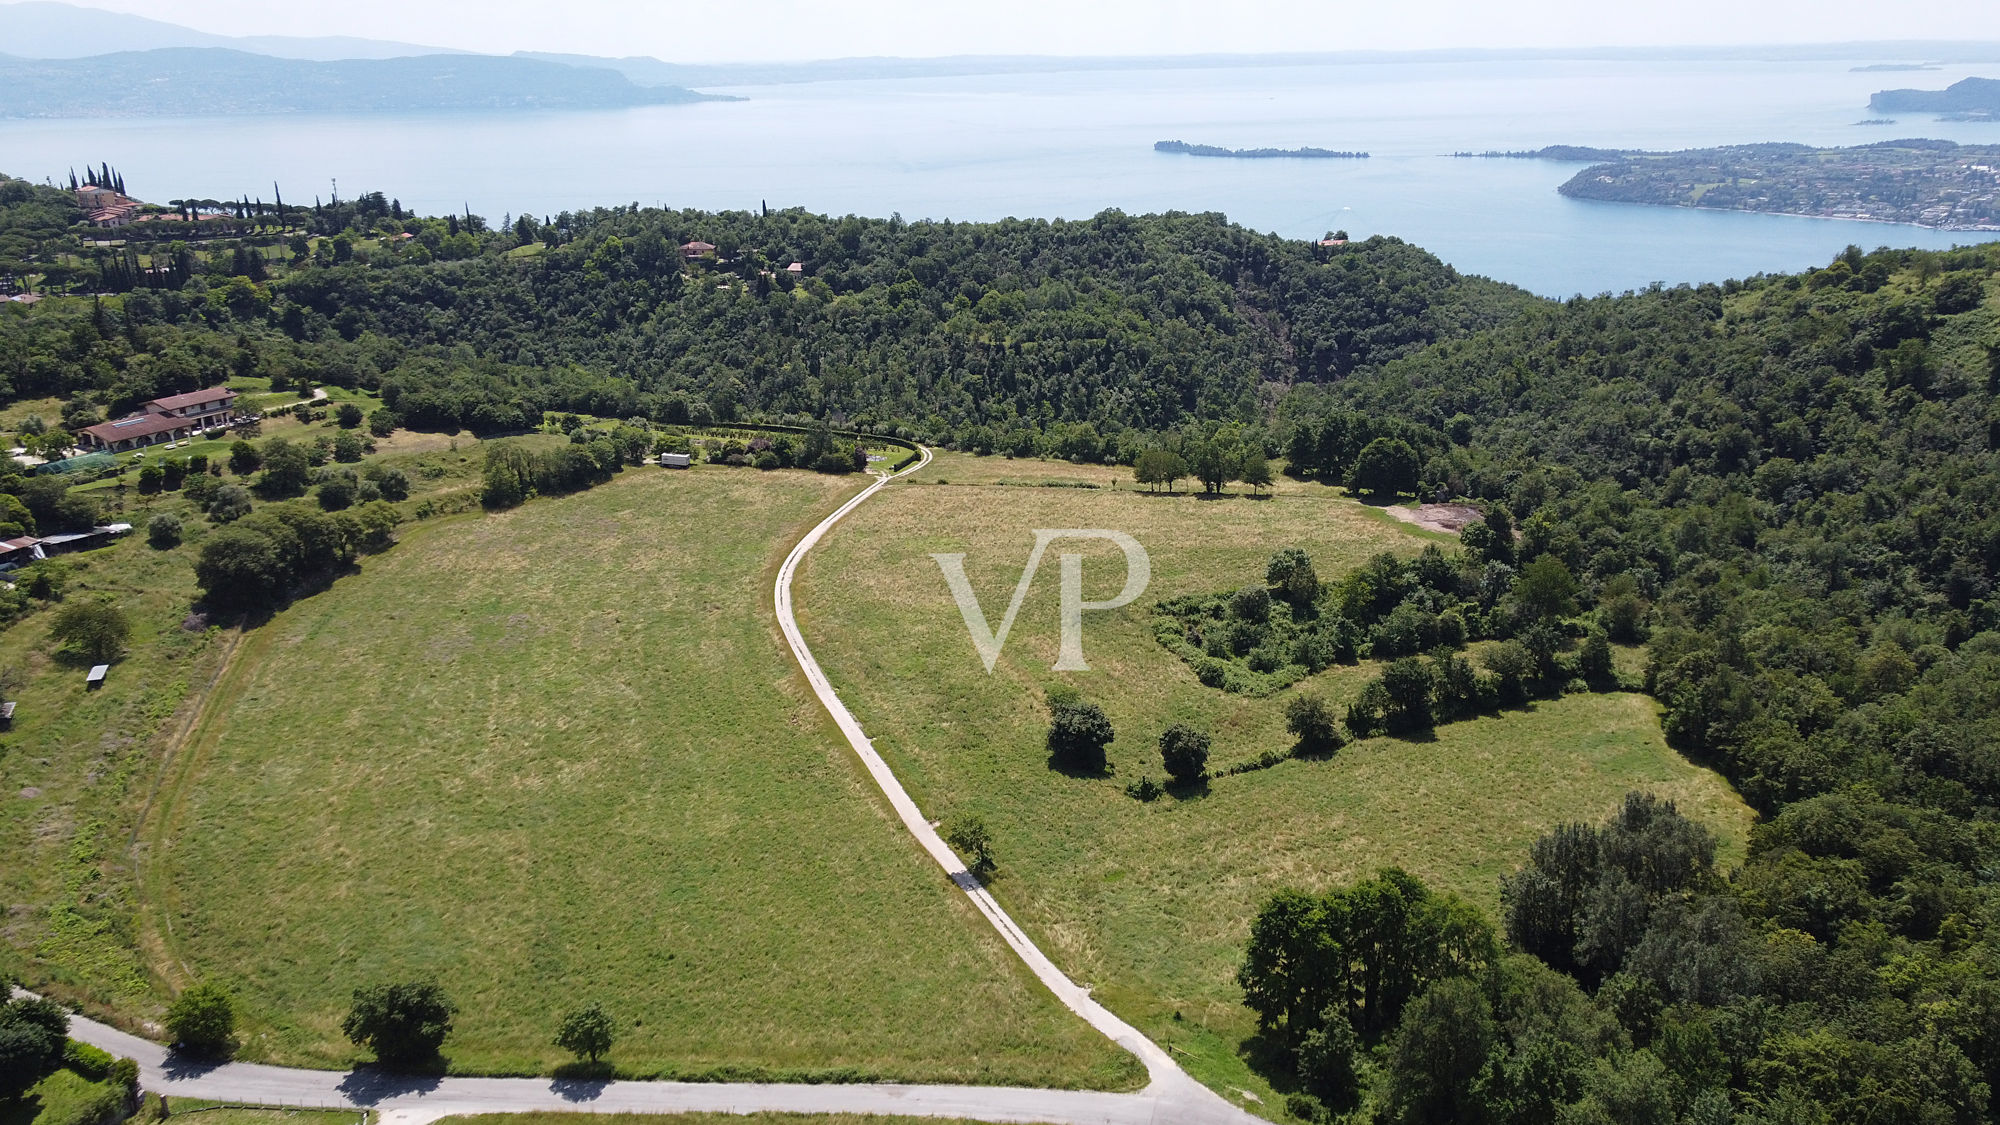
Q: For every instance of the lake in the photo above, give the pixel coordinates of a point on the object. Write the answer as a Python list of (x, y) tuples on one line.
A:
[(1070, 145)]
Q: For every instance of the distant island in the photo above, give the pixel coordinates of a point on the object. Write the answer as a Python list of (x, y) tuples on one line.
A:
[(1256, 153), (1873, 68), (1876, 121), (206, 81), (1972, 99), (1926, 183)]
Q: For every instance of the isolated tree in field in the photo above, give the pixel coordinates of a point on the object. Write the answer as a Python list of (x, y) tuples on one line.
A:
[(968, 836), (586, 1032), (403, 1024), (1386, 467), (93, 628), (202, 1020), (1184, 752), (1255, 471), (1078, 733), (1310, 719), (163, 531), (1291, 575), (347, 415)]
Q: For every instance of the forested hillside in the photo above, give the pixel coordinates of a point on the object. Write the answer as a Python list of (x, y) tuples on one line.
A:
[(1785, 488)]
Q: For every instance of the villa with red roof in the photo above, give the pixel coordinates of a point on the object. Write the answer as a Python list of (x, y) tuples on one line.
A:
[(163, 419)]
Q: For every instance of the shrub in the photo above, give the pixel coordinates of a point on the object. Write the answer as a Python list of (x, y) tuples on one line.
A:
[(201, 1020), (968, 836), (163, 531), (382, 423), (1310, 720), (230, 502), (1291, 574), (347, 415), (94, 628), (1078, 734), (404, 1024), (33, 1034), (244, 458), (336, 492), (1184, 752), (768, 460), (349, 447), (394, 483), (1251, 603)]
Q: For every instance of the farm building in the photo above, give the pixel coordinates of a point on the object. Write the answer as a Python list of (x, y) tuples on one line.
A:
[(676, 460)]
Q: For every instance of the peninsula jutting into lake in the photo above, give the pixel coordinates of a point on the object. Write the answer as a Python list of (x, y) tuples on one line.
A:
[(1256, 153), (1928, 183)]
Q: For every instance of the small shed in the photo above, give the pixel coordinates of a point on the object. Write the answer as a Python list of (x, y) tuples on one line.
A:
[(676, 460), (7, 715), (96, 678)]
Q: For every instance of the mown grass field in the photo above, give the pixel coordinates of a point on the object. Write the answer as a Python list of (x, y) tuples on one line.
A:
[(559, 754), (1150, 902)]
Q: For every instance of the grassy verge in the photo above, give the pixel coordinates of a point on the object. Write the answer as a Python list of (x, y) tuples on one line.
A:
[(558, 755), (1150, 902)]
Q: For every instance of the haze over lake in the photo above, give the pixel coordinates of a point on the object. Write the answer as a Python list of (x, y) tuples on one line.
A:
[(1069, 145)]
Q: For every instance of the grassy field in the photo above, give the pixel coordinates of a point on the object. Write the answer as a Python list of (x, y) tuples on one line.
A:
[(1150, 902), (557, 755), (188, 1111)]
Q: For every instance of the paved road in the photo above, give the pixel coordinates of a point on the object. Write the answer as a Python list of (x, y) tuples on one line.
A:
[(1169, 1098)]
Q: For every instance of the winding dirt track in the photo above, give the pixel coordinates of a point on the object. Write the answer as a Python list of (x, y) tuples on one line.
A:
[(1170, 1097)]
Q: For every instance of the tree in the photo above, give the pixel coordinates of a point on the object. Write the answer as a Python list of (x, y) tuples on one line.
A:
[(1310, 719), (1291, 574), (1078, 734), (586, 1032), (33, 1034), (240, 568), (1158, 466), (404, 1024), (382, 422), (1212, 464), (1386, 467), (287, 468), (231, 502), (1546, 588), (163, 531), (1255, 470), (1438, 1055), (348, 447), (1409, 685), (968, 836), (1326, 1062), (1184, 752), (244, 458), (94, 628), (202, 1020), (347, 415)]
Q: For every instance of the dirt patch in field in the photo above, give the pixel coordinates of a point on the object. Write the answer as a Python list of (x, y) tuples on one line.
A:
[(1451, 518)]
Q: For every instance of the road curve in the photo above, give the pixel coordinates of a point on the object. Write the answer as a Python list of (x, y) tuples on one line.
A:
[(1169, 1098)]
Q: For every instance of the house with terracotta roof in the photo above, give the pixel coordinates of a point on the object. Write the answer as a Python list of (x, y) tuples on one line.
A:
[(163, 419), (693, 250)]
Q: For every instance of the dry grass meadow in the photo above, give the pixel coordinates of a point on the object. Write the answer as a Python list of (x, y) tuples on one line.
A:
[(560, 754), (1150, 902)]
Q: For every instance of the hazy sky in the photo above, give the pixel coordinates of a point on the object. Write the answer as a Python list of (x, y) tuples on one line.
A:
[(702, 30)]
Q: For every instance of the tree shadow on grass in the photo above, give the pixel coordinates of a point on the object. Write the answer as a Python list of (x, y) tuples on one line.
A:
[(1268, 1059), (1082, 771), (1188, 790), (370, 1085)]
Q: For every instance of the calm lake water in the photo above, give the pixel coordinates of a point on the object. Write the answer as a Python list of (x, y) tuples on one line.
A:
[(1070, 145)]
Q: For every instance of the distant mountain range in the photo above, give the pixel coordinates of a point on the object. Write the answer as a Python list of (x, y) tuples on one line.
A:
[(205, 81), (1975, 96), (41, 29)]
